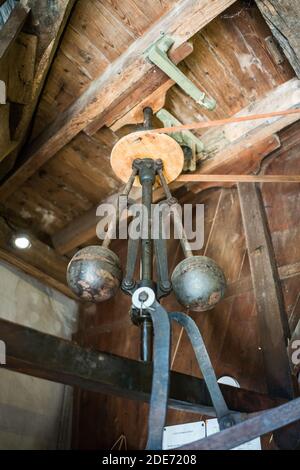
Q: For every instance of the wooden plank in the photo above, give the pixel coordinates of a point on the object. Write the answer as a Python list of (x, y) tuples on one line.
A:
[(21, 68), (41, 355), (282, 17), (272, 317), (47, 22), (191, 178), (119, 81), (40, 261), (11, 29)]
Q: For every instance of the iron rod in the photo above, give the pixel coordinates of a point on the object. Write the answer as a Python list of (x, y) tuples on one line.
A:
[(114, 220), (147, 241), (185, 245), (146, 340), (263, 423)]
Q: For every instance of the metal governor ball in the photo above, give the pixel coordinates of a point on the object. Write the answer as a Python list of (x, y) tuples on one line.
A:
[(198, 283), (94, 273)]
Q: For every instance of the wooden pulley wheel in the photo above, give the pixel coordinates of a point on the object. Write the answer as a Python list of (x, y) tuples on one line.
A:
[(145, 144)]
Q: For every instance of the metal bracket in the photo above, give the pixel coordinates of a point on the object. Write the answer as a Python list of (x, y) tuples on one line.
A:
[(157, 54), (183, 138)]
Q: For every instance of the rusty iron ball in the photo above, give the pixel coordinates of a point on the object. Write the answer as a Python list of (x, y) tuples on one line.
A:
[(198, 283), (94, 273)]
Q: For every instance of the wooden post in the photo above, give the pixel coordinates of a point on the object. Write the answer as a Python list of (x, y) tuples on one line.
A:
[(273, 323)]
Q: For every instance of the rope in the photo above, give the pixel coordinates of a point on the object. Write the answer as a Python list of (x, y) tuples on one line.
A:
[(221, 122)]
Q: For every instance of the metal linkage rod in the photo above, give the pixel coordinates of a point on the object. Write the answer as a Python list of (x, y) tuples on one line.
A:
[(146, 172), (148, 116), (161, 376), (172, 202), (226, 418), (221, 122), (255, 426), (114, 221)]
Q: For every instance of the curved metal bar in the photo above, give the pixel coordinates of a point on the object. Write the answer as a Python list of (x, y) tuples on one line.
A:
[(161, 374), (225, 417)]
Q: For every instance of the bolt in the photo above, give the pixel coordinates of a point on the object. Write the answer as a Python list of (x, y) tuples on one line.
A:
[(128, 283), (143, 296), (166, 285), (227, 422)]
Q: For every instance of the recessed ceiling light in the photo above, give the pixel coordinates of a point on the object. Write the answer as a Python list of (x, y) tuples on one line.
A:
[(21, 242)]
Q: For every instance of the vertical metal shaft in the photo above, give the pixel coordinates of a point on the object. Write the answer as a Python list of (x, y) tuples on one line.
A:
[(147, 241), (146, 340), (147, 179), (148, 116), (113, 223)]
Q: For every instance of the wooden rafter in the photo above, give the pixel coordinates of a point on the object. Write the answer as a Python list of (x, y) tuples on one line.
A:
[(129, 76)]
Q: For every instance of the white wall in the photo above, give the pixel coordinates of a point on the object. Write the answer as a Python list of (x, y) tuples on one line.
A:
[(31, 408)]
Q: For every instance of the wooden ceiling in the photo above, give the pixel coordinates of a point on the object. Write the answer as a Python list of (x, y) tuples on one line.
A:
[(63, 170)]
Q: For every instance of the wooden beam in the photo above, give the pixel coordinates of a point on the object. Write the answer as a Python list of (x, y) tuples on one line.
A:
[(47, 23), (191, 178), (41, 355), (40, 261), (125, 79), (130, 112), (272, 318), (283, 17), (11, 29), (155, 101)]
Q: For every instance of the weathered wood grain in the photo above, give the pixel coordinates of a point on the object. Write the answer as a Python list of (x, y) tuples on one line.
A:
[(283, 16), (273, 321), (47, 22)]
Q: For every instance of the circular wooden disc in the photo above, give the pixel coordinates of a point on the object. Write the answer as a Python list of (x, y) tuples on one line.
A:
[(145, 144)]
